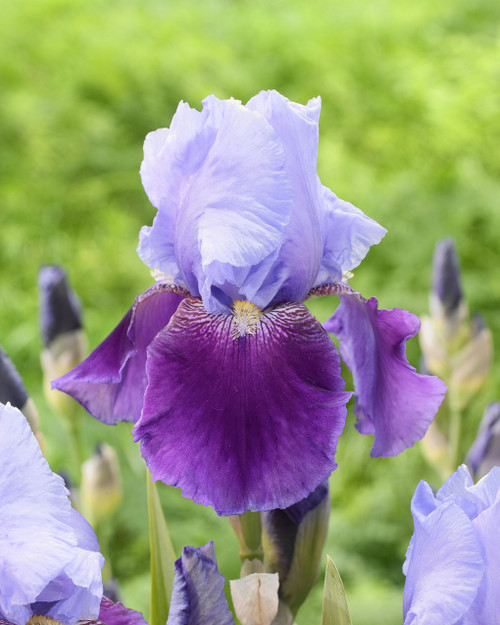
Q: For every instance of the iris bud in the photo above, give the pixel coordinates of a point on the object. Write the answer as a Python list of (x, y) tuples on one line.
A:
[(101, 488), (293, 541), (485, 451), (61, 331), (255, 598), (456, 348), (446, 294), (12, 390)]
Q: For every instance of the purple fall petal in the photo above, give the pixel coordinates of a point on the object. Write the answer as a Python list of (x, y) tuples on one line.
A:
[(242, 424), (198, 594), (117, 614), (393, 401), (110, 383)]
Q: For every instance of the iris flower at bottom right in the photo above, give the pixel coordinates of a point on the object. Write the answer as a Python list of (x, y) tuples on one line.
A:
[(452, 564)]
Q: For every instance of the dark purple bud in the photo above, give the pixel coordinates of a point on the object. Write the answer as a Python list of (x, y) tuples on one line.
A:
[(293, 544), (446, 282), (12, 387), (485, 452), (60, 309)]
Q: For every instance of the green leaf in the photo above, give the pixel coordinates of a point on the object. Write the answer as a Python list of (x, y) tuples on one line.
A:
[(162, 558), (335, 609)]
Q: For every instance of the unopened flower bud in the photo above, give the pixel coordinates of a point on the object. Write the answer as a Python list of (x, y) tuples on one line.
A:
[(293, 542), (255, 598), (101, 488), (61, 331), (470, 367), (12, 390), (485, 451), (446, 295), (455, 347)]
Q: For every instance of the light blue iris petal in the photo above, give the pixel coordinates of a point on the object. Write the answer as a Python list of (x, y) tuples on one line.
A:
[(237, 205), (472, 498), (348, 234), (486, 609), (422, 504), (156, 246), (38, 538), (297, 128), (445, 568)]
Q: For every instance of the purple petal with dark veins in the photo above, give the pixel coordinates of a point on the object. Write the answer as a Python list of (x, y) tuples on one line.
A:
[(110, 383), (242, 424), (393, 401), (198, 594), (117, 614)]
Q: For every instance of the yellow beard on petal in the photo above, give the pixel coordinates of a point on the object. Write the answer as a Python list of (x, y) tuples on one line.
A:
[(246, 318), (42, 620)]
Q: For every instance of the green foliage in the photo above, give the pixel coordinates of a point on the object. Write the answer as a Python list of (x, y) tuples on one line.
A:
[(162, 558), (409, 133), (335, 608)]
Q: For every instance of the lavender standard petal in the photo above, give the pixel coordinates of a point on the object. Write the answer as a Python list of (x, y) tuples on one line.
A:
[(444, 568), (49, 556), (347, 235), (110, 383), (198, 594), (219, 176), (393, 401), (486, 608), (242, 424), (296, 125)]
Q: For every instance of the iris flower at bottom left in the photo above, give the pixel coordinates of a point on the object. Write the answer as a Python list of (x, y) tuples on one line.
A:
[(50, 562)]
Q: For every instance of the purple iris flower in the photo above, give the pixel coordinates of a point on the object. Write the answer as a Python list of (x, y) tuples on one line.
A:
[(452, 564), (233, 385), (50, 564)]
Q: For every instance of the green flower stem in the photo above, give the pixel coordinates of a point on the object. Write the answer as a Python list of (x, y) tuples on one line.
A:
[(251, 537), (75, 429)]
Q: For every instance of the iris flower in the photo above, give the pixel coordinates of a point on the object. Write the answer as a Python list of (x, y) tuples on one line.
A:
[(233, 385), (452, 564), (50, 564)]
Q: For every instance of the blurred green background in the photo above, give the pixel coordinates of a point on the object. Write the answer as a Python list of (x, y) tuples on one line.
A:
[(409, 132)]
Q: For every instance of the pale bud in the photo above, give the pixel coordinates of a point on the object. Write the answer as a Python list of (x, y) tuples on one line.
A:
[(255, 598), (485, 452), (101, 487)]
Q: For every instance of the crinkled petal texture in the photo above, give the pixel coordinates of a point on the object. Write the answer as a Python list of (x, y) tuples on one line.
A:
[(393, 401), (50, 563), (117, 614), (198, 594), (110, 383), (248, 423), (347, 235), (452, 565), (241, 211)]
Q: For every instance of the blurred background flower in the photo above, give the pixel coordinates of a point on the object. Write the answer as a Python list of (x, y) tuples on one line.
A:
[(409, 133)]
